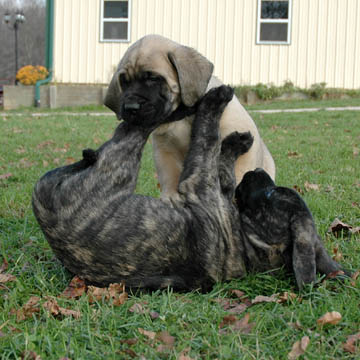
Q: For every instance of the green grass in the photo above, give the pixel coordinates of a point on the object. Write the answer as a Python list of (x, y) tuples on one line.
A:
[(324, 143)]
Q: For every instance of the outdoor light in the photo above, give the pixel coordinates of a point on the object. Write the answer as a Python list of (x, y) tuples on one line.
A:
[(13, 23)]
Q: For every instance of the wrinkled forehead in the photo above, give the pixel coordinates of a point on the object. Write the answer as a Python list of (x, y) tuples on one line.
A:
[(152, 59)]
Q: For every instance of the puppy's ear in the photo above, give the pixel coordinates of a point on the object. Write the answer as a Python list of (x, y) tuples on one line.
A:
[(194, 73), (113, 95)]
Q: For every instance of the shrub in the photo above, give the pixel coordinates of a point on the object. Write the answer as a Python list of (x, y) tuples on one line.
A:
[(29, 74)]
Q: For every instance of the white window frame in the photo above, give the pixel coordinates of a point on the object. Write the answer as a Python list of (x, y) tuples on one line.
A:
[(274, 21), (103, 20)]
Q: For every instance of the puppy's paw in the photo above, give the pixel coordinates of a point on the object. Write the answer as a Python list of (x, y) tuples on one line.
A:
[(237, 143), (217, 98), (90, 156)]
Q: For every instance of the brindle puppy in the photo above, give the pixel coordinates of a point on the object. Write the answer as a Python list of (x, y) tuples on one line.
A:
[(278, 229), (105, 233)]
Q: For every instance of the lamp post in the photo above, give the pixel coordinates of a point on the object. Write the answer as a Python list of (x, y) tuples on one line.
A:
[(13, 22)]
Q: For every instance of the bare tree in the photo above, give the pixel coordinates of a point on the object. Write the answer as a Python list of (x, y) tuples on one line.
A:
[(31, 37)]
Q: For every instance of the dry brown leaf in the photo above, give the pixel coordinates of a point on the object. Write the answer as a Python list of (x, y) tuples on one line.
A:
[(337, 255), (165, 338), (130, 352), (286, 296), (337, 226), (30, 308), (70, 160), (299, 348), (45, 163), (30, 355), (4, 278), (44, 144), (137, 308), (334, 274), (25, 163), (309, 186), (5, 176), (154, 315), (184, 354), (96, 294), (238, 293), (260, 299), (355, 151), (150, 334), (298, 189), (349, 346), (227, 320), (355, 230), (53, 308), (293, 154), (242, 326), (130, 342), (331, 318), (296, 325), (238, 309), (4, 266), (355, 275), (75, 289)]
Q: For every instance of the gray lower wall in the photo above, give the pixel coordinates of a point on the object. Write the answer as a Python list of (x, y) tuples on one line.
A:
[(53, 96)]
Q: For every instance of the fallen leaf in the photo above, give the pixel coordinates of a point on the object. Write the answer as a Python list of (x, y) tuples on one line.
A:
[(45, 163), (296, 325), (355, 275), (30, 308), (299, 348), (96, 294), (242, 326), (355, 151), (238, 309), (298, 189), (5, 176), (54, 309), (286, 296), (75, 289), (260, 299), (118, 294), (165, 338), (70, 160), (4, 266), (227, 320), (130, 352), (331, 318), (184, 354), (309, 186), (238, 293), (25, 163), (293, 154), (137, 308), (130, 342), (4, 278), (337, 254), (154, 315), (349, 346), (30, 355), (150, 334), (20, 150), (334, 274), (329, 188), (355, 230), (337, 226), (44, 144)]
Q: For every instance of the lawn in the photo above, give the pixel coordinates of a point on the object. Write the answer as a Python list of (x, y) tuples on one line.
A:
[(318, 153)]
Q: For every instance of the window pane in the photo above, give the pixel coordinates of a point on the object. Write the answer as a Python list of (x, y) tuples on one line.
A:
[(273, 32), (274, 9), (115, 30), (115, 9)]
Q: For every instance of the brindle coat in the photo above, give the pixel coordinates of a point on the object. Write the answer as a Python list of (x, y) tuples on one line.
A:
[(278, 229), (105, 233)]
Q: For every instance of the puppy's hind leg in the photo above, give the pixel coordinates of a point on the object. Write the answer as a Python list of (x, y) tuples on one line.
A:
[(234, 145), (303, 235)]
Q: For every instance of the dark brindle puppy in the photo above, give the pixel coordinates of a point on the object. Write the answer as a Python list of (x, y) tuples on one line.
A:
[(105, 233), (278, 229)]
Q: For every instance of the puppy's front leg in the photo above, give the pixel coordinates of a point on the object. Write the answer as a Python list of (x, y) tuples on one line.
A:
[(200, 171)]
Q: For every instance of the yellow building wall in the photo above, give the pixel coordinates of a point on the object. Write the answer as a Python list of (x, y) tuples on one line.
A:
[(324, 47)]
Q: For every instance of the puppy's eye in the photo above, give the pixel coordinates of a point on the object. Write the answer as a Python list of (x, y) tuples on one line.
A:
[(123, 82), (149, 76)]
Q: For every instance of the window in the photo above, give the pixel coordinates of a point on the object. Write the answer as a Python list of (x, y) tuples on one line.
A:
[(274, 22), (115, 20)]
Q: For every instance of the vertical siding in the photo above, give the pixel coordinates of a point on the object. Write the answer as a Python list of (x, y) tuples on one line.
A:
[(325, 40)]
